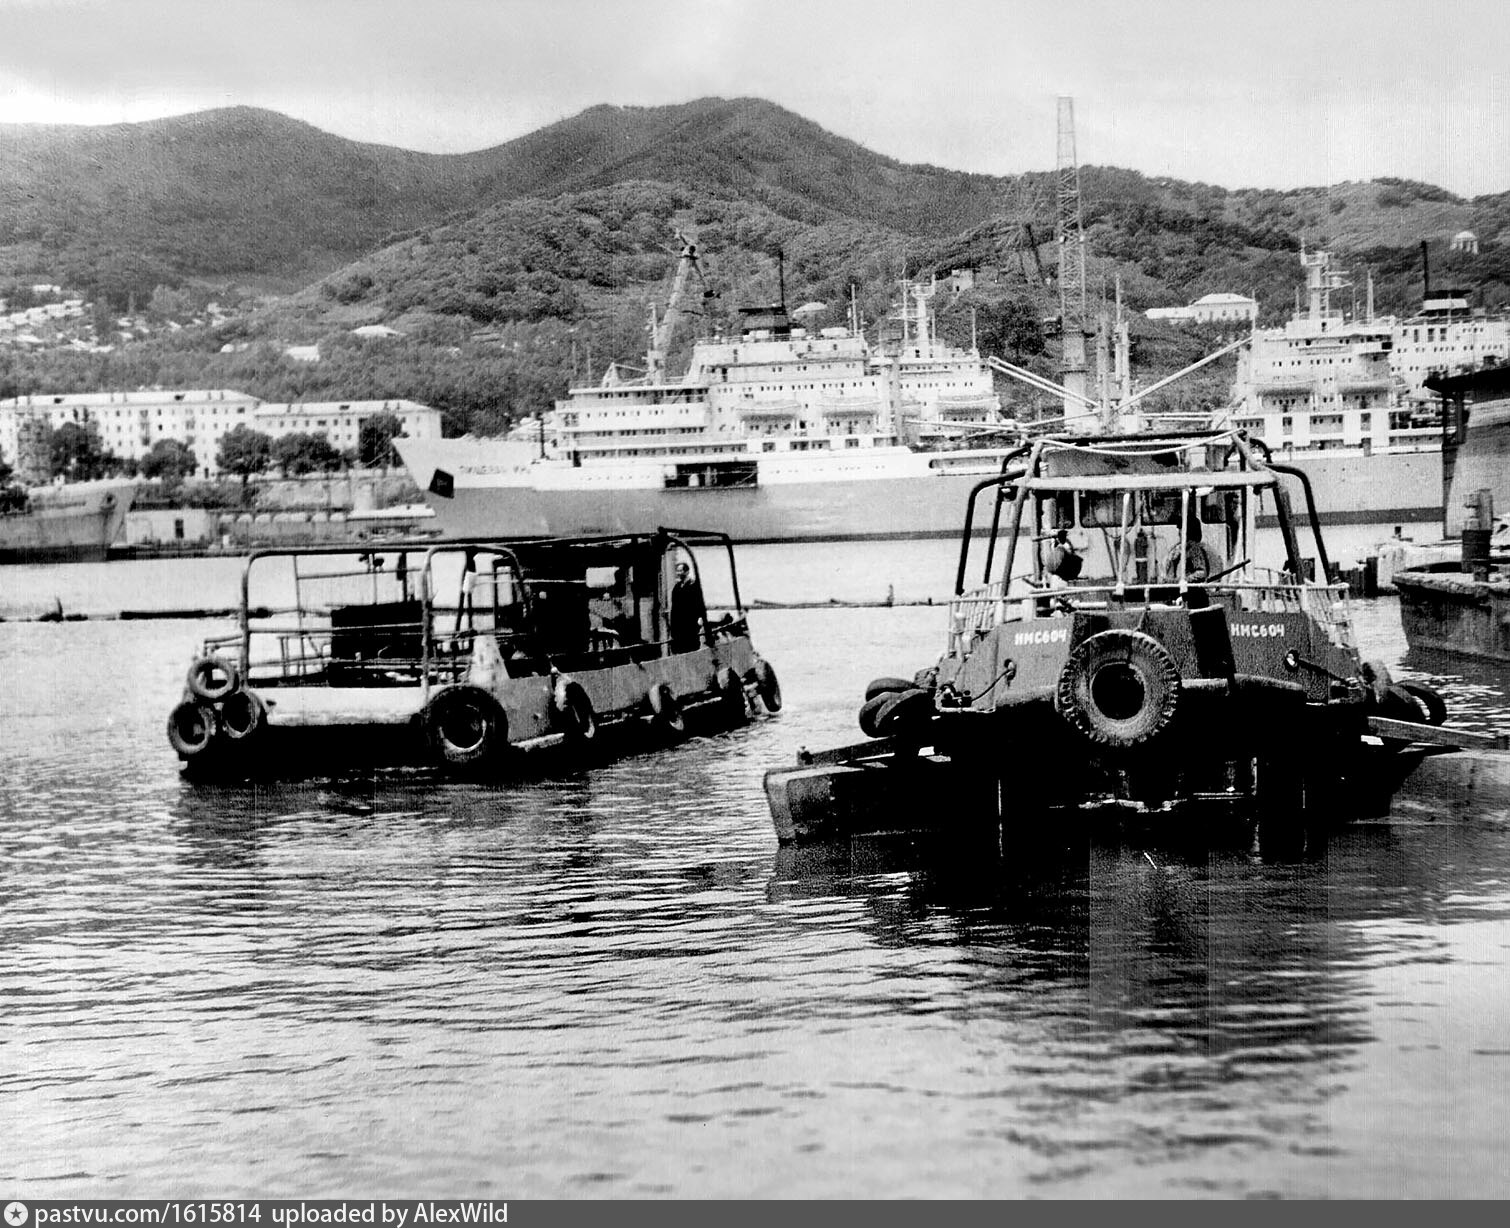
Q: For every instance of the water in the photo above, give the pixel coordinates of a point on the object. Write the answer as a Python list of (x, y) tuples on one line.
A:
[(616, 985)]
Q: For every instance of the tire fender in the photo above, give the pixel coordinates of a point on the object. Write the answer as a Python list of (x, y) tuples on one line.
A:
[(767, 686), (1118, 689), (213, 677), (192, 728), (897, 712), (242, 715), (465, 725), (571, 710), (665, 712), (732, 692)]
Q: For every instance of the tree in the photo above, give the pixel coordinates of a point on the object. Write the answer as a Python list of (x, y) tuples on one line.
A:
[(375, 440), (300, 453), (171, 460), (75, 453), (245, 452), (1011, 329), (5, 469)]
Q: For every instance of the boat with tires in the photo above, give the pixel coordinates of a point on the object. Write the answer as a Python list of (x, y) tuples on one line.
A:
[(464, 657), (1113, 639)]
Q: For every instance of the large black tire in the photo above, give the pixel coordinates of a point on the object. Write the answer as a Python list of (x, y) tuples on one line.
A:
[(1432, 707), (766, 686), (465, 726), (191, 728), (242, 715), (908, 712), (212, 678), (572, 712), (887, 686), (1119, 689), (869, 711), (665, 712)]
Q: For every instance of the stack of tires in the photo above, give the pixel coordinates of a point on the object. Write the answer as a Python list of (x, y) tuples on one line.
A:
[(217, 712)]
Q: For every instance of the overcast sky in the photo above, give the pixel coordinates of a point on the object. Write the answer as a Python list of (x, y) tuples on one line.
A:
[(1272, 93)]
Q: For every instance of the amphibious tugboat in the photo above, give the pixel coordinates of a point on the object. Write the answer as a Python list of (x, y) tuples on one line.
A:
[(463, 656), (1121, 645)]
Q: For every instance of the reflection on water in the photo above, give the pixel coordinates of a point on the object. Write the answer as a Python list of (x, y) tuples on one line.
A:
[(614, 984)]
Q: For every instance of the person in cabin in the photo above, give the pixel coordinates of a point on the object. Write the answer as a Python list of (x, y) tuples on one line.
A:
[(1198, 562), (1064, 561), (688, 613)]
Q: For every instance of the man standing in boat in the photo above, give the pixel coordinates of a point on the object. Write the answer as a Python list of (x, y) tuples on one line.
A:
[(688, 613)]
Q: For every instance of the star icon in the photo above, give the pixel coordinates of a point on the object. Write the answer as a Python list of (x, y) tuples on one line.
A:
[(16, 1214)]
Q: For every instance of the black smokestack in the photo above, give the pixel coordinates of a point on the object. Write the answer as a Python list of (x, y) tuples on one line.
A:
[(1425, 271)]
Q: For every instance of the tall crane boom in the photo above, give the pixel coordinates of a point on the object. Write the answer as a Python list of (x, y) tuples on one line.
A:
[(1071, 236), (662, 331)]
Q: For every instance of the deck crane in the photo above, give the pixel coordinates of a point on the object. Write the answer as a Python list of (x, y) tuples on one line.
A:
[(661, 330)]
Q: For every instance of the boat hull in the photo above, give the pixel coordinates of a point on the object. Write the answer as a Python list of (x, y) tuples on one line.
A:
[(1451, 612), (845, 498), (66, 524)]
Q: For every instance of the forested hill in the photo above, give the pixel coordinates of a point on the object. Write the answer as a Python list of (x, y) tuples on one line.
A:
[(251, 194), (513, 270)]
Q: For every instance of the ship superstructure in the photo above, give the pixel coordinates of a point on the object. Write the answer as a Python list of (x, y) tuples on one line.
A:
[(1324, 381)]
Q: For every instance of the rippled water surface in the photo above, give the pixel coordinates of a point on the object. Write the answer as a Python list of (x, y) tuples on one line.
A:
[(615, 984)]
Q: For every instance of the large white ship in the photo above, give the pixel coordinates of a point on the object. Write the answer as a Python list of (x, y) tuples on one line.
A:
[(790, 433), (1345, 397), (782, 432)]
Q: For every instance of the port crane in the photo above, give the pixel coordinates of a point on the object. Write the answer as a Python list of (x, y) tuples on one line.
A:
[(1082, 411)]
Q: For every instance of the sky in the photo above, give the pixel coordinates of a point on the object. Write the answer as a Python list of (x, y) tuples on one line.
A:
[(1263, 93)]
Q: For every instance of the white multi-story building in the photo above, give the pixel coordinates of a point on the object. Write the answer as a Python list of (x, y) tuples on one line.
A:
[(341, 421), (128, 424)]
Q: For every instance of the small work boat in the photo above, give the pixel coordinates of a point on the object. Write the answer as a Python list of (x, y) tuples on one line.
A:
[(463, 656), (1121, 646)]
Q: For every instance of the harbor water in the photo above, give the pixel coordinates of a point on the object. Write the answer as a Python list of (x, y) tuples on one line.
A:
[(614, 984)]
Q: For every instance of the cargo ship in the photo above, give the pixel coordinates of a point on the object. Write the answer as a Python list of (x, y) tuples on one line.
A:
[(789, 433), (74, 523)]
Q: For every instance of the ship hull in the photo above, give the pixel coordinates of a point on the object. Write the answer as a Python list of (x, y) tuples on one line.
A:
[(1481, 463), (848, 497), (1385, 488), (66, 524)]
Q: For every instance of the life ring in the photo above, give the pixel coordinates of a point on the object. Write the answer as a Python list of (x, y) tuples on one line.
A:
[(191, 728), (465, 725), (897, 712), (242, 714), (665, 712), (887, 686), (213, 678), (766, 685), (1118, 688), (571, 711)]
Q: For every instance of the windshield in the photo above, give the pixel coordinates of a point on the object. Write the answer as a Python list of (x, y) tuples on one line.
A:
[(1114, 538)]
